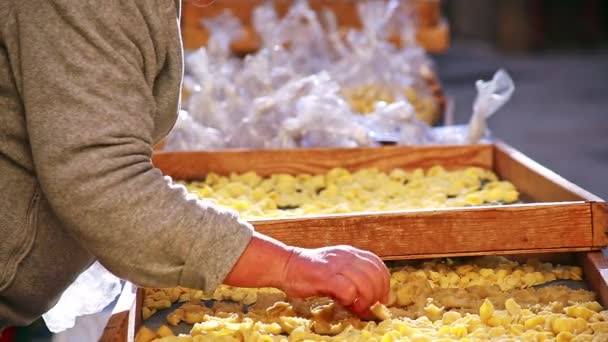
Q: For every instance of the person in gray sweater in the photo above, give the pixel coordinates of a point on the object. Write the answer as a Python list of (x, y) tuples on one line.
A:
[(86, 89)]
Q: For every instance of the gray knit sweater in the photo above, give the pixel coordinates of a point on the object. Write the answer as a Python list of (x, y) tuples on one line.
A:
[(86, 88)]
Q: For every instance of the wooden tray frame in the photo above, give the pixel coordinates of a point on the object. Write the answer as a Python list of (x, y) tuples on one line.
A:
[(433, 30), (568, 211), (126, 316), (562, 218)]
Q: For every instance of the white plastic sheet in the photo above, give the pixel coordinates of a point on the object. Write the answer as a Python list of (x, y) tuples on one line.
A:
[(90, 293)]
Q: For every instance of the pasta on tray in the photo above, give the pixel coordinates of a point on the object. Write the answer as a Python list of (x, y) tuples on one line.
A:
[(484, 299), (340, 191)]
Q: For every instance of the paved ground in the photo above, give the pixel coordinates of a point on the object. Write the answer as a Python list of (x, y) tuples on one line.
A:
[(558, 114)]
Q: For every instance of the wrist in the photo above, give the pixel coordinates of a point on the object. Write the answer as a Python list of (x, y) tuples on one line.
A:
[(283, 279), (263, 264)]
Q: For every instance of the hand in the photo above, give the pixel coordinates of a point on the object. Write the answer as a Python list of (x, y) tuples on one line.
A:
[(356, 279)]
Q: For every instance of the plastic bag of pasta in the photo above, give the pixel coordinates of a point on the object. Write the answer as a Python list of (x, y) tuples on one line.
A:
[(264, 72), (265, 20), (223, 30), (306, 112), (396, 123), (377, 71), (374, 71), (216, 102), (188, 134), (301, 31), (369, 49), (325, 121), (260, 125)]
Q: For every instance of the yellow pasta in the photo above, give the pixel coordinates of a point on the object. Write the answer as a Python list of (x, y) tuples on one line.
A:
[(363, 99), (342, 191), (429, 303)]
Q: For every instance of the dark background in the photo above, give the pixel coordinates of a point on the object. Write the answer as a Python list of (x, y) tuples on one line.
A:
[(557, 54)]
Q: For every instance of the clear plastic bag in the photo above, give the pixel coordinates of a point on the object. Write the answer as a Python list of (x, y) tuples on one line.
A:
[(491, 96), (397, 123), (223, 30), (374, 70), (326, 120), (302, 32), (265, 21), (90, 293), (217, 101), (276, 99), (307, 112), (188, 134)]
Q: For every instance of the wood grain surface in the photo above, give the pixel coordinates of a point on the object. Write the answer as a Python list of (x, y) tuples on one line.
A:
[(595, 269), (126, 316), (532, 178), (195, 165), (441, 232), (599, 212)]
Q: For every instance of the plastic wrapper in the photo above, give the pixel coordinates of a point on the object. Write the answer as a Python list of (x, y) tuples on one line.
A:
[(326, 121), (372, 58), (337, 45), (217, 101), (302, 32), (188, 134), (307, 112), (265, 72), (265, 21), (223, 30), (491, 96), (397, 122), (275, 98), (91, 292), (377, 71)]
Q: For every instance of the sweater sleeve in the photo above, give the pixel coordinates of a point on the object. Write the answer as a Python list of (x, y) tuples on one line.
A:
[(86, 72)]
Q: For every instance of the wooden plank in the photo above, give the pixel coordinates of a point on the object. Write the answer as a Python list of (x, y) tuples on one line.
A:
[(195, 165), (535, 180), (117, 328), (448, 231), (544, 254), (595, 269), (124, 319), (443, 231), (599, 212)]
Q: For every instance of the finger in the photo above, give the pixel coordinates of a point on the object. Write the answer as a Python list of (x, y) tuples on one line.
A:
[(366, 314), (376, 274), (361, 310), (383, 274), (343, 289), (364, 284)]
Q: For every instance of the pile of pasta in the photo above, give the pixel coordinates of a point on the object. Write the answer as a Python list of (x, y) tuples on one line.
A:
[(497, 302), (363, 99), (342, 191)]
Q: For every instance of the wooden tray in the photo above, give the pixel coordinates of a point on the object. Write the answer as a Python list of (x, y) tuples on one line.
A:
[(561, 216), (433, 30), (126, 317)]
